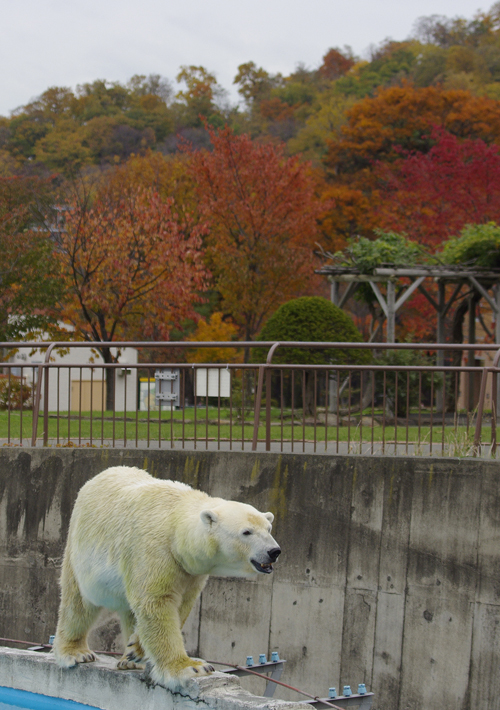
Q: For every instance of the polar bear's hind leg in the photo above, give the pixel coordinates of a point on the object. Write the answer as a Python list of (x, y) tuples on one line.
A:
[(76, 616), (134, 656)]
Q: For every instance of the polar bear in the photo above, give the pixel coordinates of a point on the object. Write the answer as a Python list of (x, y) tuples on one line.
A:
[(144, 548)]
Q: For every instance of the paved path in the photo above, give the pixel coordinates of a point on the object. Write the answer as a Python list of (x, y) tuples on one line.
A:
[(341, 447)]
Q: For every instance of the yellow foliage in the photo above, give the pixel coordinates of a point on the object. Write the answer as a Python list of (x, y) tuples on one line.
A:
[(215, 330)]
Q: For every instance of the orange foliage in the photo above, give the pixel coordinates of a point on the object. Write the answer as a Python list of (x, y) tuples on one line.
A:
[(377, 130), (262, 212), (348, 212), (169, 177), (403, 116), (417, 321), (275, 109), (129, 268), (215, 330)]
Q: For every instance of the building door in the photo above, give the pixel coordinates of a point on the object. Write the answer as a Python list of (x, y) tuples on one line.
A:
[(88, 395)]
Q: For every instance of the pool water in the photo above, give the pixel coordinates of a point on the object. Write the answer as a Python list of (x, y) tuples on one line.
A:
[(23, 700)]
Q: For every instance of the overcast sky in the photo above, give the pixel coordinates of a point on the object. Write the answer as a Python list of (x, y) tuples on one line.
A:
[(68, 42)]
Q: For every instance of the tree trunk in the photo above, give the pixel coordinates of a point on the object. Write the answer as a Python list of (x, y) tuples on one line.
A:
[(110, 378)]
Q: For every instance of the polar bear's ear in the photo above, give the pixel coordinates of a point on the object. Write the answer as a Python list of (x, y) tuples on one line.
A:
[(209, 517), (269, 516)]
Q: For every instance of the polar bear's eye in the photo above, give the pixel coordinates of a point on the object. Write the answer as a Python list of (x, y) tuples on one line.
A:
[(247, 532)]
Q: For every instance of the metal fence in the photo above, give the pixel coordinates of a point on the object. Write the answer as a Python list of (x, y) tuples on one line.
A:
[(422, 409)]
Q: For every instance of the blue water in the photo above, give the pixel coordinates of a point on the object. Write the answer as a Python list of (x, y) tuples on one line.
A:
[(23, 700)]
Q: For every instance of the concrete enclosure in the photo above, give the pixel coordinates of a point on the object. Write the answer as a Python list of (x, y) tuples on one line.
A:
[(390, 571)]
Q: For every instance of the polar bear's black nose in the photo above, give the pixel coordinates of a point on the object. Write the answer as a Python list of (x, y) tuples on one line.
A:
[(274, 554)]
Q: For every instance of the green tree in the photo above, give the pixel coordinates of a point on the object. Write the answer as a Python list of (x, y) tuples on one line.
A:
[(478, 246), (200, 97), (30, 282), (312, 319), (254, 82), (389, 248)]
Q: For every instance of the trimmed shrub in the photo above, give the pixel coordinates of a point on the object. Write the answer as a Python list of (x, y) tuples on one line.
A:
[(11, 393), (312, 319)]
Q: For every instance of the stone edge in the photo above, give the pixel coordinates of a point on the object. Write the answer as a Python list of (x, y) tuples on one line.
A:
[(100, 685)]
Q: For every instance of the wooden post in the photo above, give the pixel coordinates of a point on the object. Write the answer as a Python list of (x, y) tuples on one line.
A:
[(334, 292), (391, 312), (497, 340), (471, 355), (440, 395)]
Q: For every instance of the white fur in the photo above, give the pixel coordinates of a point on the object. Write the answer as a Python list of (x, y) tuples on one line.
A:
[(144, 547)]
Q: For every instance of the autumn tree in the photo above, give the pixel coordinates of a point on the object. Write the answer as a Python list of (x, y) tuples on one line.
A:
[(29, 278), (433, 195), (378, 129), (336, 64), (169, 176), (262, 210), (99, 122), (321, 127), (130, 271), (402, 117), (255, 83), (201, 95), (214, 329)]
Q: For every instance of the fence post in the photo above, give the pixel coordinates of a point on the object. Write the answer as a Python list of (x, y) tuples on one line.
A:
[(268, 410), (36, 405), (494, 414), (46, 406), (494, 400), (258, 402), (480, 409)]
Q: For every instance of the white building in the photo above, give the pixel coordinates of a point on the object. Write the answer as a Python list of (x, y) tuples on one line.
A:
[(77, 380)]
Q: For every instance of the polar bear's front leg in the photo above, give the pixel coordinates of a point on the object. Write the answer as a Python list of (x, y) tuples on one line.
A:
[(159, 628), (193, 589)]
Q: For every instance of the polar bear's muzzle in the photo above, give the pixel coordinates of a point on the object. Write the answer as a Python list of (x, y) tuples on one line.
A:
[(267, 566)]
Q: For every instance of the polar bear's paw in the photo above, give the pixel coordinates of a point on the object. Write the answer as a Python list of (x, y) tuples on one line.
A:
[(196, 667), (179, 672), (134, 656), (69, 655)]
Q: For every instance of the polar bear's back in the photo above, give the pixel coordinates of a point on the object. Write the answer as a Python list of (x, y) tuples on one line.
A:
[(127, 480), (115, 502)]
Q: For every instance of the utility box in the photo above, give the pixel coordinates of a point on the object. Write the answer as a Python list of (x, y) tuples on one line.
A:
[(168, 387)]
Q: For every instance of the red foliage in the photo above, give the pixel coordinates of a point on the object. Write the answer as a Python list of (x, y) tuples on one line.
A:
[(417, 321), (431, 196), (335, 64)]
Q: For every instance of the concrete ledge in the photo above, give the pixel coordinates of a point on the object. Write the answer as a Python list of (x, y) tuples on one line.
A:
[(100, 685)]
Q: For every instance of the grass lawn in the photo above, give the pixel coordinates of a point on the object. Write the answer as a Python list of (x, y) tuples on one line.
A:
[(103, 427)]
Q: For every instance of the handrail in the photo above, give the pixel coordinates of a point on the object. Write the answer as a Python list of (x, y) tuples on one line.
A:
[(264, 370), (41, 345)]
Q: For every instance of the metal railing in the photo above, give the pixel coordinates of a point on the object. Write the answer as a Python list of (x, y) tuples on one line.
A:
[(336, 408)]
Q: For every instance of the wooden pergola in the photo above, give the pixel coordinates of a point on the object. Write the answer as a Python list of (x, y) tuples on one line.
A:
[(483, 283)]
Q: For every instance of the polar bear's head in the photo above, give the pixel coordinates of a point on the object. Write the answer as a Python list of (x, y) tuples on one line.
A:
[(243, 540)]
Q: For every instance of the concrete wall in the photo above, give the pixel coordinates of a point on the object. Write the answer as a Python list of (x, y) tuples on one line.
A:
[(390, 571)]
